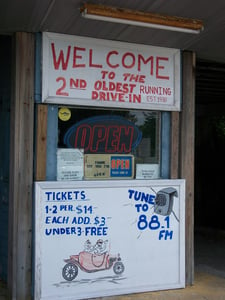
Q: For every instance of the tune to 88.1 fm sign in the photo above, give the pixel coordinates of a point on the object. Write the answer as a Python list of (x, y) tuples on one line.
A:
[(93, 72)]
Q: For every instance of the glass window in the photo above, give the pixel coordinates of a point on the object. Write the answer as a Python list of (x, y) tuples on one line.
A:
[(113, 144)]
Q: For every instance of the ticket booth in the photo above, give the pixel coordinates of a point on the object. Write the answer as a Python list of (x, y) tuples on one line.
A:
[(108, 209), (101, 168)]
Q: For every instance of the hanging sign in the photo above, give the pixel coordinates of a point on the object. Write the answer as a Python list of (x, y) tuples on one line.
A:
[(93, 72), (104, 134), (93, 236)]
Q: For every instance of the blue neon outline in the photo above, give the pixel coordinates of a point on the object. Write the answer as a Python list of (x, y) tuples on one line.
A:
[(106, 117)]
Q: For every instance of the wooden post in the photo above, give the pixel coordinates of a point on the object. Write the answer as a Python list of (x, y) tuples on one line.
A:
[(175, 142), (21, 168), (187, 138), (41, 142)]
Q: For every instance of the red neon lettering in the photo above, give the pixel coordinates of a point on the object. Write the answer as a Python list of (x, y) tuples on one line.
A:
[(101, 138), (82, 140), (125, 139), (108, 57), (98, 137), (60, 59), (76, 57), (158, 67), (112, 143)]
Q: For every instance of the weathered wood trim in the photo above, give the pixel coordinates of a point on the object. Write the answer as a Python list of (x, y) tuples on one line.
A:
[(41, 142), (187, 138), (175, 136), (21, 168)]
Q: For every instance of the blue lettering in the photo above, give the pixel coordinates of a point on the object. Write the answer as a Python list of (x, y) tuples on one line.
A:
[(47, 220), (81, 220), (82, 194), (144, 197), (165, 234), (96, 230), (63, 195), (66, 230), (130, 193), (48, 195), (57, 220)]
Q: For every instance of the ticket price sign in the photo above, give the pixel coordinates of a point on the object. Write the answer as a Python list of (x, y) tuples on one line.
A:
[(91, 237)]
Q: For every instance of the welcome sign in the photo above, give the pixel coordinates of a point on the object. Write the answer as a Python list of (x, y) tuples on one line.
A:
[(93, 72), (93, 239)]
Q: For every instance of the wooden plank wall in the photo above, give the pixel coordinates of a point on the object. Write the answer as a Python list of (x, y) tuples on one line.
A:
[(21, 168)]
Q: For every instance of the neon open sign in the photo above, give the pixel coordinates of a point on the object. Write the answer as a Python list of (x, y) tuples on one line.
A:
[(103, 134)]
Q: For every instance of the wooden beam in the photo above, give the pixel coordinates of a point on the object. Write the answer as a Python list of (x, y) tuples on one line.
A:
[(187, 138), (41, 142), (21, 168), (140, 16)]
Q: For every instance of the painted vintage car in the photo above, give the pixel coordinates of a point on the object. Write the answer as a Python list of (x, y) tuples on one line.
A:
[(91, 262)]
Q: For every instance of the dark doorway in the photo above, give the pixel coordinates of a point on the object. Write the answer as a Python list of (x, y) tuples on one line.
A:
[(210, 145), (5, 86), (209, 168)]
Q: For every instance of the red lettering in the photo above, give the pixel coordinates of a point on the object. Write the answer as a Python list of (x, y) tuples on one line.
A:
[(113, 96), (60, 59), (128, 66), (108, 57), (141, 58), (133, 98), (104, 139), (113, 164), (98, 137), (82, 139), (91, 60), (59, 91), (113, 141), (158, 67), (127, 164), (78, 84), (76, 57), (120, 164), (125, 138), (94, 95)]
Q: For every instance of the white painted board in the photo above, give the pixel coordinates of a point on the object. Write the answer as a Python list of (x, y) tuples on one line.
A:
[(102, 73), (141, 224)]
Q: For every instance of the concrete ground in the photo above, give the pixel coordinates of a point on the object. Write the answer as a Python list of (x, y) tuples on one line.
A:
[(209, 281)]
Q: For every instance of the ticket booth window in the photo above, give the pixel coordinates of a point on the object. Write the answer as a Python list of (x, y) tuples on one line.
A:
[(108, 144)]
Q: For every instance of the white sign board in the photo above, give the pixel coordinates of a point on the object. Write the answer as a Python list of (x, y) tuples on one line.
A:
[(70, 164), (93, 72), (147, 171), (99, 238)]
